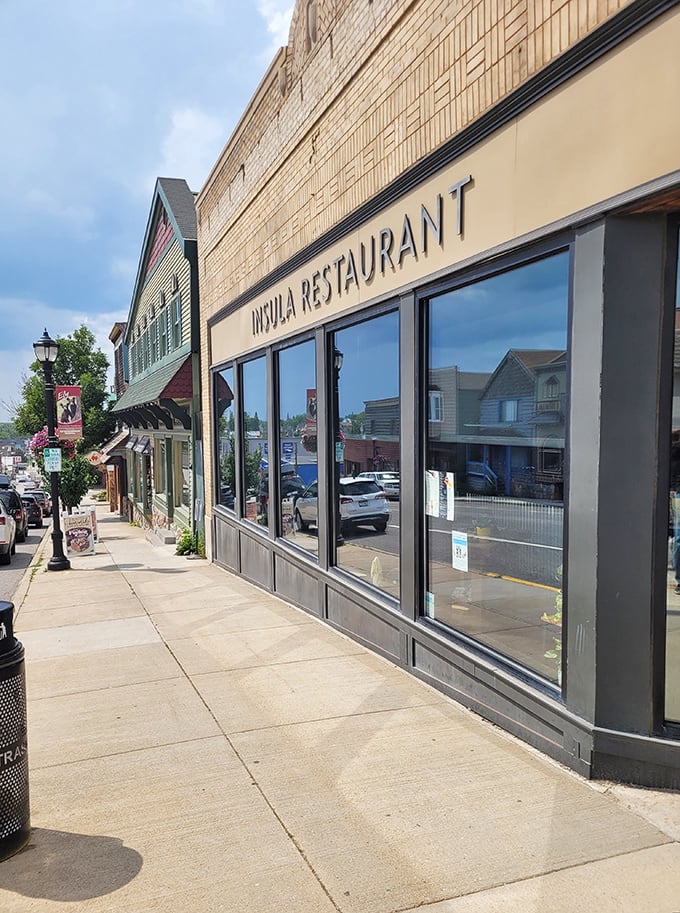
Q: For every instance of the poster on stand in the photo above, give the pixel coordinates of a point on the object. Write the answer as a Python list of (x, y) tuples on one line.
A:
[(78, 534)]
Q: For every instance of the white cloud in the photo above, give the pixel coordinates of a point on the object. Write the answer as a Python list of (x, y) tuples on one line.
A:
[(277, 15), (190, 147)]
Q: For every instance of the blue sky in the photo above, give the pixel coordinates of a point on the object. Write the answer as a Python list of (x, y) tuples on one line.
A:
[(97, 99)]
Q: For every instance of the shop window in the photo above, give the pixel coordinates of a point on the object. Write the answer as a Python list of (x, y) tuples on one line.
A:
[(366, 375), (254, 442), (672, 689), (509, 410), (552, 388), (160, 464), (183, 495), (435, 411), (225, 457), (493, 494), (297, 440)]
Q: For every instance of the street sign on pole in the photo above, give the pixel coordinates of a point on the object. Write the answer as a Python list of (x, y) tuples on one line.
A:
[(52, 459)]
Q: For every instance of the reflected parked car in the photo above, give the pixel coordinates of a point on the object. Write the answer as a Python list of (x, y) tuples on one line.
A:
[(12, 501), (33, 510), (8, 534), (45, 501), (362, 503), (388, 481)]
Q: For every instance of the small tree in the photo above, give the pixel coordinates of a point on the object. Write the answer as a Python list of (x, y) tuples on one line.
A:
[(80, 364)]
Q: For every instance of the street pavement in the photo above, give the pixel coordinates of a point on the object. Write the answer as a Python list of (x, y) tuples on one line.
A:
[(198, 745)]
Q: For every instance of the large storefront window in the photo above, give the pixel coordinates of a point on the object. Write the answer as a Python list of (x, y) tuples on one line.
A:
[(366, 365), (673, 598), (494, 470), (224, 423), (255, 444), (297, 439)]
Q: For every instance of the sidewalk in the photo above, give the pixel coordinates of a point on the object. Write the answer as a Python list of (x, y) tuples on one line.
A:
[(198, 745)]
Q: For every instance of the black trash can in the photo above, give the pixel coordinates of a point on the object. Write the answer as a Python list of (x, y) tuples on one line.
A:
[(15, 817)]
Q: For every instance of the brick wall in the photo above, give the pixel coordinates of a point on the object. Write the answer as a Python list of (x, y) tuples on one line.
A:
[(337, 119)]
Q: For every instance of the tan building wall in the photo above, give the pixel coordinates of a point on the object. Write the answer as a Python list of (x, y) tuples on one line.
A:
[(362, 93)]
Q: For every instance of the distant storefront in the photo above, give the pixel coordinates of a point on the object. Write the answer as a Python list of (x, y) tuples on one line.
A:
[(445, 249), (163, 454)]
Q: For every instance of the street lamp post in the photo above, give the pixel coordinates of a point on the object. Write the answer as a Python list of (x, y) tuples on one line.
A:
[(337, 365), (46, 351)]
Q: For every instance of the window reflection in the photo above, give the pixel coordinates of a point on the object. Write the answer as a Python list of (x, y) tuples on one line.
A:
[(297, 440), (255, 443), (494, 480), (367, 450), (224, 421), (673, 598)]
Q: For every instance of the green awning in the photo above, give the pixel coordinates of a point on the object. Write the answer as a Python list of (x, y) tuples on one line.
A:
[(148, 389)]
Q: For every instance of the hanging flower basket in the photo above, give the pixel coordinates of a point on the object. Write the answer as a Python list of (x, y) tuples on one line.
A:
[(41, 440)]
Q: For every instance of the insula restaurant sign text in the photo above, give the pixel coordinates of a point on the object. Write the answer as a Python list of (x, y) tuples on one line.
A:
[(387, 250)]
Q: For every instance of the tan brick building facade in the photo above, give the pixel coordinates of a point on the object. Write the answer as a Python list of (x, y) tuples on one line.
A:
[(453, 227)]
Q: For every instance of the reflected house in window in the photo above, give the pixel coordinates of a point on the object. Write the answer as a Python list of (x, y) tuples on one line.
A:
[(453, 401), (520, 434), (377, 447), (453, 405)]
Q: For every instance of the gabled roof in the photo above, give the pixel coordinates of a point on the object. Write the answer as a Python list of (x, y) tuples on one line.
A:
[(173, 196), (529, 360)]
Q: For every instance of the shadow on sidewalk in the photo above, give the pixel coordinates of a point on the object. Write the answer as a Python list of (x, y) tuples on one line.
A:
[(66, 867)]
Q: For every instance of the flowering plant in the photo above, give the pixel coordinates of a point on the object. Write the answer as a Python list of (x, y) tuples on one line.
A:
[(41, 440)]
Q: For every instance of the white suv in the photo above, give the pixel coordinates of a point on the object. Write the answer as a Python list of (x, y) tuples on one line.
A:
[(362, 503), (388, 481), (8, 535)]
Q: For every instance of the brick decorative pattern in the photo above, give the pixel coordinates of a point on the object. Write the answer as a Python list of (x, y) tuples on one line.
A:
[(382, 84)]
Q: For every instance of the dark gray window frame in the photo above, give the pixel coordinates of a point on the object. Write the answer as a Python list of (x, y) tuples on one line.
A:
[(520, 256)]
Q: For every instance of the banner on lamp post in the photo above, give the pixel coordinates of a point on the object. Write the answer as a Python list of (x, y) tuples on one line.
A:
[(69, 415)]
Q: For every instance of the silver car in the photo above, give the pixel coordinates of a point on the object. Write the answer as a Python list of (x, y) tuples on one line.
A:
[(362, 503), (388, 481)]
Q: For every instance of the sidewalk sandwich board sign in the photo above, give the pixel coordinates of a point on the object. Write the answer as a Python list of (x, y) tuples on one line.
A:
[(78, 534)]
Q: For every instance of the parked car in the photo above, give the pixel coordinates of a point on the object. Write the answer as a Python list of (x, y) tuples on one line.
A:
[(5, 481), (8, 534), (33, 510), (292, 486), (362, 503), (45, 501), (12, 501), (388, 481)]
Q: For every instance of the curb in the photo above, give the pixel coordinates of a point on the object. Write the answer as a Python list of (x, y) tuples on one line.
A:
[(19, 595)]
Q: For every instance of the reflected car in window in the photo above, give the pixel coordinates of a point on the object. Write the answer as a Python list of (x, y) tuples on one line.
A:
[(388, 481), (33, 510), (44, 500), (362, 503)]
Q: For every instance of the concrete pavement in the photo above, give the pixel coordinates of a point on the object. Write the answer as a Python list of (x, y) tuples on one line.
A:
[(198, 745)]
